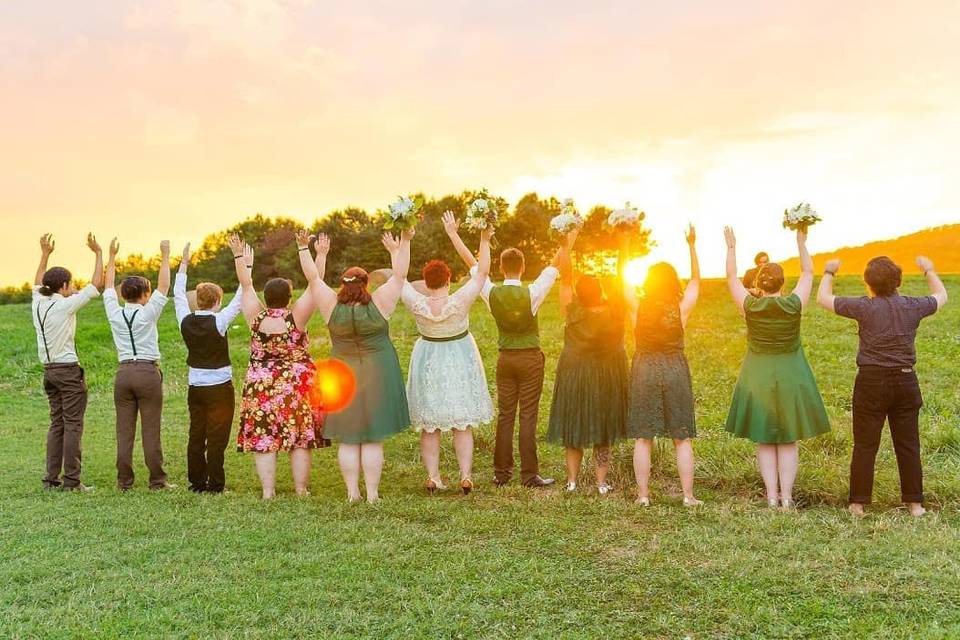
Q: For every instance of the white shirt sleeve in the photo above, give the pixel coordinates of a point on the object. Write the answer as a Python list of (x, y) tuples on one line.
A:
[(487, 286), (226, 315), (180, 303), (81, 298), (110, 303), (154, 307), (540, 288), (409, 295)]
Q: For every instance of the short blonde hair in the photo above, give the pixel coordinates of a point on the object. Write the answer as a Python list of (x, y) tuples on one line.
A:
[(208, 295)]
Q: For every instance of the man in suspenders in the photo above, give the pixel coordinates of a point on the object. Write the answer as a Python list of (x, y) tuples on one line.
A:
[(54, 308), (138, 388), (210, 397)]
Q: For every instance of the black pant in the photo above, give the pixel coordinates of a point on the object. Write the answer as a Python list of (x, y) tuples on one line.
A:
[(211, 414), (880, 394), (66, 389)]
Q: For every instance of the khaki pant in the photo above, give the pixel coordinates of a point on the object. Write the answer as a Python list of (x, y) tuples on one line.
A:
[(519, 386), (66, 389), (138, 390)]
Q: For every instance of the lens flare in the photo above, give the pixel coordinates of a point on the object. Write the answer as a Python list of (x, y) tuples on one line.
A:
[(635, 271), (334, 386)]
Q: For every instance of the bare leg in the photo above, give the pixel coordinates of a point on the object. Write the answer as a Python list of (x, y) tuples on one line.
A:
[(430, 453), (266, 464), (371, 458), (300, 465), (641, 466), (601, 458), (788, 461), (348, 455), (574, 458), (767, 463), (463, 446), (685, 466)]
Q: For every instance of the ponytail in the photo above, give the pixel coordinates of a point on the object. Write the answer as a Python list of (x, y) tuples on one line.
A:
[(54, 280)]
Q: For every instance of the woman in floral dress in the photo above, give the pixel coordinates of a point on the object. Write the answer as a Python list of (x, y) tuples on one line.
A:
[(275, 410)]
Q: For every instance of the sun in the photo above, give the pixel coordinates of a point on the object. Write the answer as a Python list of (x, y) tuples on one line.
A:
[(635, 271)]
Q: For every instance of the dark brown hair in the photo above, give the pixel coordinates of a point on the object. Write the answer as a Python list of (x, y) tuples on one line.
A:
[(132, 288), (436, 274), (589, 291), (770, 278), (277, 293), (54, 279), (883, 276), (353, 287), (662, 283), (511, 261)]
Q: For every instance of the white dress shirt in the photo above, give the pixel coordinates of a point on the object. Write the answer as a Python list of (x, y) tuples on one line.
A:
[(205, 377), (539, 288), (55, 319), (134, 326)]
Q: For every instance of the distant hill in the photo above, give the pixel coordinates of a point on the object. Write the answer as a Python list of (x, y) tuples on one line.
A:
[(940, 244)]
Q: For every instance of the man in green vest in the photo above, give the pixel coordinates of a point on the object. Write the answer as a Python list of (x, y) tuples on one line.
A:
[(520, 366)]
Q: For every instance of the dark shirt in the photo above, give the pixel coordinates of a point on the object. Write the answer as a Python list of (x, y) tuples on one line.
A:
[(888, 327)]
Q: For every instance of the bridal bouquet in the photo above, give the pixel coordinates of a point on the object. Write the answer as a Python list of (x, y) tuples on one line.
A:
[(402, 214), (566, 221), (629, 216), (800, 217), (481, 212)]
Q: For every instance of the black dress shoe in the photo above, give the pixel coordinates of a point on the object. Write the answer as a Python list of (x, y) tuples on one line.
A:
[(537, 481), (500, 483)]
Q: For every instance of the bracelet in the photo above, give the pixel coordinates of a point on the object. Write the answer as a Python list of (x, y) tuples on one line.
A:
[(304, 249), (830, 273), (237, 257)]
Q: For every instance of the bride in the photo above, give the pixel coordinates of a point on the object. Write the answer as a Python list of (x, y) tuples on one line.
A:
[(446, 387)]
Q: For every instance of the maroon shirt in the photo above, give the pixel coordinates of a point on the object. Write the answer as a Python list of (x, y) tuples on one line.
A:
[(888, 327)]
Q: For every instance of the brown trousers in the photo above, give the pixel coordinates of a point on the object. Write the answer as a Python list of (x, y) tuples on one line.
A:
[(519, 385), (66, 389), (138, 390)]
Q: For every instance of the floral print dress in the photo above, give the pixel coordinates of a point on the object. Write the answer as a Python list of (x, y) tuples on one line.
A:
[(276, 413)]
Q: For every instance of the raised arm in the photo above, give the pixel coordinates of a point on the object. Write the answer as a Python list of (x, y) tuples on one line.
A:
[(97, 278), (738, 292), (180, 304), (110, 275), (304, 306), (805, 283), (47, 245), (565, 263), (324, 297), (242, 253), (451, 226), (483, 264), (387, 295), (623, 257), (937, 290), (163, 280), (825, 297), (692, 292)]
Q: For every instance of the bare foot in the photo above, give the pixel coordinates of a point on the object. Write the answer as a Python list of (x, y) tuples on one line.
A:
[(856, 509), (916, 509)]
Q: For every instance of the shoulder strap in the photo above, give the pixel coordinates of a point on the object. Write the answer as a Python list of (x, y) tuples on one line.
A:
[(43, 330), (129, 323)]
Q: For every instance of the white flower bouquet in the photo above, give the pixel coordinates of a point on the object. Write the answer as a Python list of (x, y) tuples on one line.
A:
[(481, 212), (402, 214), (566, 221), (629, 216), (800, 217)]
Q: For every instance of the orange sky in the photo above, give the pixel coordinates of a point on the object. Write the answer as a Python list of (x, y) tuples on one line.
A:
[(172, 119)]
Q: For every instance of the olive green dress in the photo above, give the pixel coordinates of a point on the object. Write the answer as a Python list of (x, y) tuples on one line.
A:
[(776, 400), (590, 392), (361, 339)]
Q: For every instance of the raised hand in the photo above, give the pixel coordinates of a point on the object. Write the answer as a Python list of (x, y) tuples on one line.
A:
[(185, 258), (47, 244), (248, 255), (486, 234), (322, 244), (691, 235), (114, 248), (730, 237), (801, 235), (925, 264), (303, 238), (832, 265), (165, 248), (93, 245), (390, 243), (450, 223), (236, 244), (571, 237), (408, 233)]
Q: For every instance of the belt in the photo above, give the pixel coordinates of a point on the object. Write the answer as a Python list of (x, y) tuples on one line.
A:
[(137, 361), (872, 368), (60, 365), (449, 339)]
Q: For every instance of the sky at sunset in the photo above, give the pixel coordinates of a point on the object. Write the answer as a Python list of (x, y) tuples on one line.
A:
[(176, 118)]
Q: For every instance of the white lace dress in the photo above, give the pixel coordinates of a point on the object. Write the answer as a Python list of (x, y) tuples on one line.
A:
[(446, 385)]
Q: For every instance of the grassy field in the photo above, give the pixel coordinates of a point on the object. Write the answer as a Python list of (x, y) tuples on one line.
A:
[(508, 563)]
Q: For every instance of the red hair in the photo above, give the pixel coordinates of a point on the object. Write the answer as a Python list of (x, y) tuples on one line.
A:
[(436, 274), (353, 287)]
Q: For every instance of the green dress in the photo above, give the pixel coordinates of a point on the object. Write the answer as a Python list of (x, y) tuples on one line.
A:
[(361, 339), (590, 392), (776, 400)]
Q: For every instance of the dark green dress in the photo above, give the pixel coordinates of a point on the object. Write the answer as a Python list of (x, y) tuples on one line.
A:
[(590, 392), (661, 389), (776, 400), (361, 339)]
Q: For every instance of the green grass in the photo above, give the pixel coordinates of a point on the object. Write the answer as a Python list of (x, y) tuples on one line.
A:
[(511, 563)]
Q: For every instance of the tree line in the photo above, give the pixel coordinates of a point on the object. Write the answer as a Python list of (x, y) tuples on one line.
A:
[(355, 240)]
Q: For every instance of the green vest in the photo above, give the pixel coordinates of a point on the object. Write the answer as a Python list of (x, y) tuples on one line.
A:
[(518, 327)]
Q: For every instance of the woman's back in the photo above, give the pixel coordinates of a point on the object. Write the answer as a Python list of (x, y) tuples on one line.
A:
[(358, 328), (773, 323), (659, 327), (593, 331), (289, 345)]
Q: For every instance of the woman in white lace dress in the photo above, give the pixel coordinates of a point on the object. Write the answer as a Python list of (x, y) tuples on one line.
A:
[(446, 386)]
